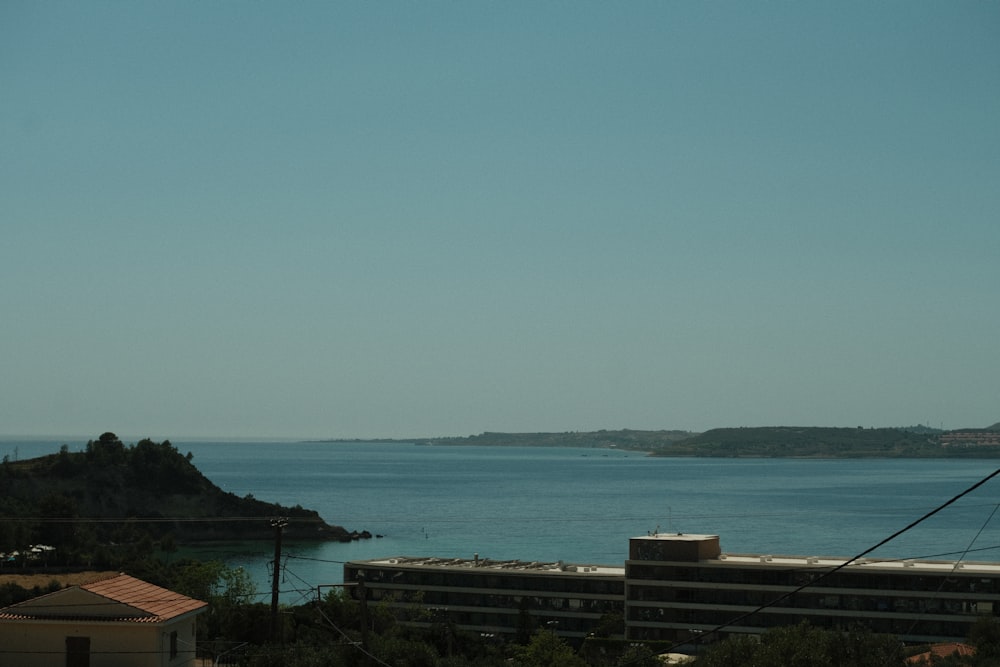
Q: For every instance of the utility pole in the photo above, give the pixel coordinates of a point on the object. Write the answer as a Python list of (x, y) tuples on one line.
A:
[(278, 525), (363, 599)]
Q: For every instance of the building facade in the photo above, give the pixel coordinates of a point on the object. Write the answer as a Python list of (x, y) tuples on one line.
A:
[(501, 598), (120, 621), (679, 587), (682, 588)]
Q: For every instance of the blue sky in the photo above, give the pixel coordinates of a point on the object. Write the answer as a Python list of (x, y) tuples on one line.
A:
[(394, 219)]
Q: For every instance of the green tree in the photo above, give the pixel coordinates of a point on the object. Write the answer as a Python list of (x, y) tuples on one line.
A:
[(546, 649), (340, 609), (299, 655), (735, 651), (229, 592), (65, 463), (610, 624), (804, 645), (401, 651), (638, 655), (985, 636), (59, 528), (107, 449)]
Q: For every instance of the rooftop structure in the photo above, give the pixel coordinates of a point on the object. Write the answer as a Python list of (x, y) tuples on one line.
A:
[(489, 564)]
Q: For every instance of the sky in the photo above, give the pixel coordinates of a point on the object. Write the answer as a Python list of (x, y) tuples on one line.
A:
[(416, 219)]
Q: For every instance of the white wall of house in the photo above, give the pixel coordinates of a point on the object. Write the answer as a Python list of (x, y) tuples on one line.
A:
[(42, 643)]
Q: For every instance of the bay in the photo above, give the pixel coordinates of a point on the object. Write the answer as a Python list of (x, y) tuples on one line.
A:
[(582, 505)]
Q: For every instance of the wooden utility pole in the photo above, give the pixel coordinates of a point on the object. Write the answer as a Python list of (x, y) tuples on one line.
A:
[(278, 525), (363, 599)]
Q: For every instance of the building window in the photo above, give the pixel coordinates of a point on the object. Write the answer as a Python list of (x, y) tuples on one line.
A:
[(78, 652), (173, 645)]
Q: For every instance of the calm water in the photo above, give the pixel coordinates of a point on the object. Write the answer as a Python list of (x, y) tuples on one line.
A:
[(582, 505)]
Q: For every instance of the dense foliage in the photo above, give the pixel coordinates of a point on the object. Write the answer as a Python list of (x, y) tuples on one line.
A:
[(114, 503), (804, 645), (780, 441)]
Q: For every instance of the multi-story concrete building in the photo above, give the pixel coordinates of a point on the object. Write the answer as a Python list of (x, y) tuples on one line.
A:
[(679, 586), (682, 588), (494, 597)]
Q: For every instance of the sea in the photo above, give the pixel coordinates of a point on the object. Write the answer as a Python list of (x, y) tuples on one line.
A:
[(581, 506)]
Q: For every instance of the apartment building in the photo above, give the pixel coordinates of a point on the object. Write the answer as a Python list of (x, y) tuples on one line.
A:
[(683, 588), (678, 587), (494, 597)]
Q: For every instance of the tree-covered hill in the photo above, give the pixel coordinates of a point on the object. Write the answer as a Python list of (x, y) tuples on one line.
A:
[(111, 492), (773, 441), (812, 441)]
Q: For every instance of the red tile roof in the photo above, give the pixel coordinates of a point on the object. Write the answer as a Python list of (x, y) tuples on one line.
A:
[(941, 651), (163, 603), (153, 603)]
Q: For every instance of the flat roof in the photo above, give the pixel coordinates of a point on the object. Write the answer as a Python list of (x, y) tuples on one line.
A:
[(677, 537), (990, 568), (900, 564), (765, 560), (558, 567)]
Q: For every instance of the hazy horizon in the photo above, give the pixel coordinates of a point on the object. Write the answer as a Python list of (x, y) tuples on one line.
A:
[(132, 438), (402, 220)]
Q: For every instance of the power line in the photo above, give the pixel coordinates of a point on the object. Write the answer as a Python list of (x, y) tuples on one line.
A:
[(841, 566), (348, 638), (317, 560), (134, 519), (959, 560)]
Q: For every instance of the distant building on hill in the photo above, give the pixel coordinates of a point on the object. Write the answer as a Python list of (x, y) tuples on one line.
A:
[(971, 438), (683, 589)]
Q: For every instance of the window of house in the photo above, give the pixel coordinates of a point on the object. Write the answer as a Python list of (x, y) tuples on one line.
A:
[(173, 645), (78, 652)]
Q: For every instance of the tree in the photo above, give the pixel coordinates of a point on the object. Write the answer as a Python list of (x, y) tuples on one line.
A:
[(609, 624), (639, 655), (395, 649), (59, 528), (106, 449), (546, 649), (804, 645), (985, 636), (230, 592), (735, 651)]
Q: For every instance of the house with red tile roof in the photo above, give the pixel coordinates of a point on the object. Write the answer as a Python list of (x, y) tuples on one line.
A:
[(118, 621), (937, 651)]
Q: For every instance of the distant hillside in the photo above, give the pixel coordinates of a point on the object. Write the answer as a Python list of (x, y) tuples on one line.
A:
[(624, 439), (774, 441), (158, 492), (811, 441)]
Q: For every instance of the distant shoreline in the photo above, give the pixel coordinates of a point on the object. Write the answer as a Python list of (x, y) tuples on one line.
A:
[(807, 442)]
